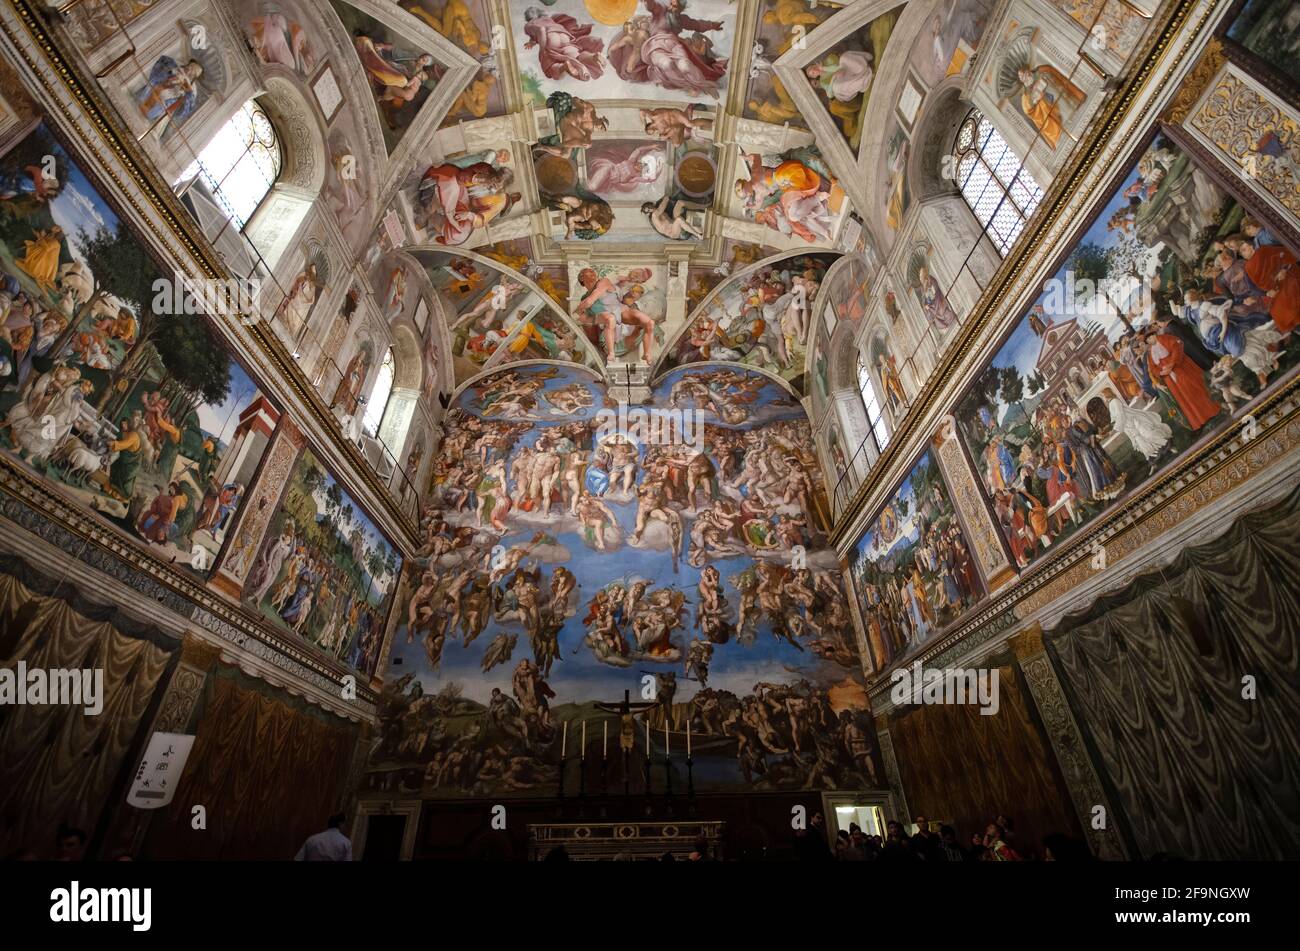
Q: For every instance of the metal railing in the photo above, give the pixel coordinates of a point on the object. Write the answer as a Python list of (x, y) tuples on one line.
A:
[(100, 24)]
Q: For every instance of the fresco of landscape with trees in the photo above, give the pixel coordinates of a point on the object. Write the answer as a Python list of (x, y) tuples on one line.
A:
[(325, 572), (135, 411)]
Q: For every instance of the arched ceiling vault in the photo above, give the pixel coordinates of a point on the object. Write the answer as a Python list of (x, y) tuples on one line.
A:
[(640, 159)]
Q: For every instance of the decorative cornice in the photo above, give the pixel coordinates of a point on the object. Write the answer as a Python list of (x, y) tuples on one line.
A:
[(1190, 89), (1130, 105), (163, 208)]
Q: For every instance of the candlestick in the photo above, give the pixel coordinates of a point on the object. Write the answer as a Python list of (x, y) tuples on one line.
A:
[(690, 786), (564, 740)]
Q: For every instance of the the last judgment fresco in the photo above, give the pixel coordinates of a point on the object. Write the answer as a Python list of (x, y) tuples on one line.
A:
[(576, 551)]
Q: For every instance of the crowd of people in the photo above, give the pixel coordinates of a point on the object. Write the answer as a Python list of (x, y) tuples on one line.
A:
[(996, 842)]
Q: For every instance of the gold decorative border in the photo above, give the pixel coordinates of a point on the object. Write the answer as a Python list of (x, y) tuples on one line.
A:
[(1225, 463), (164, 204), (1206, 68), (989, 308)]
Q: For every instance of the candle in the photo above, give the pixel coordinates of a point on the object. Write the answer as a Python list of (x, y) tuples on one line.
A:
[(564, 739), (688, 739), (604, 742), (647, 737), (665, 733), (583, 754)]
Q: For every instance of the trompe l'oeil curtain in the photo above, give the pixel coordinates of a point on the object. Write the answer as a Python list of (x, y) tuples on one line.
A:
[(1156, 675), (960, 766), (57, 764), (268, 772)]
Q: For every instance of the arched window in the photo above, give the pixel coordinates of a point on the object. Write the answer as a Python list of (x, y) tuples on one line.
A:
[(994, 181), (377, 401), (875, 417), (241, 163)]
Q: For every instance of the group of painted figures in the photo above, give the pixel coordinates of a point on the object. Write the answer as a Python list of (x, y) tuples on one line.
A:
[(739, 493), (764, 318), (904, 604), (304, 586), (1209, 349)]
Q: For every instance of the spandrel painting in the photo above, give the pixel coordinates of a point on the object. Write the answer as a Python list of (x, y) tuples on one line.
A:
[(574, 551), (400, 75), (467, 24), (1169, 318), (114, 387), (781, 24), (762, 318), (842, 76)]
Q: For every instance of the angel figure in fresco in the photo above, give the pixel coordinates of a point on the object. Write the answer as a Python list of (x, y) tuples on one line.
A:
[(1042, 91), (171, 92), (278, 41), (844, 78), (635, 35), (564, 46), (393, 85), (655, 51), (465, 193)]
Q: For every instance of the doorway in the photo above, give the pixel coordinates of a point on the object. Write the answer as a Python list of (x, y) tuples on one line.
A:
[(384, 836)]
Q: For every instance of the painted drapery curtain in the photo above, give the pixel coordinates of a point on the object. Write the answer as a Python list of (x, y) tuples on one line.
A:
[(58, 765), (268, 769), (1155, 675), (959, 766)]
